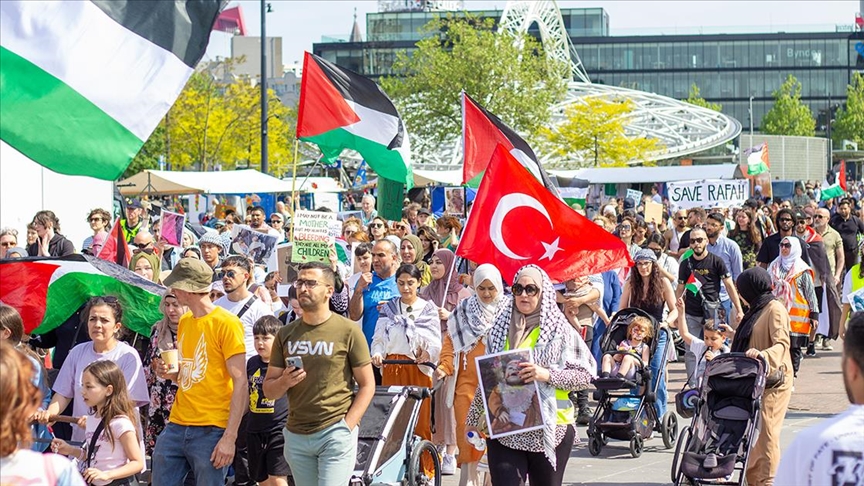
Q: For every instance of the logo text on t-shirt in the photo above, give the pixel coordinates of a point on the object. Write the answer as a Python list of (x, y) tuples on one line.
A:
[(320, 348)]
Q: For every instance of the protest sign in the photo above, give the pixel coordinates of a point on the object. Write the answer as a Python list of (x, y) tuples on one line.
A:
[(512, 406), (312, 236), (635, 195), (287, 268), (653, 212), (246, 241), (856, 300), (172, 227), (710, 193), (454, 200), (222, 209)]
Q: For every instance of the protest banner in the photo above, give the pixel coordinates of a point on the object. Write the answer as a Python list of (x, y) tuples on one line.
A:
[(247, 241), (312, 236), (711, 193), (172, 228), (635, 195)]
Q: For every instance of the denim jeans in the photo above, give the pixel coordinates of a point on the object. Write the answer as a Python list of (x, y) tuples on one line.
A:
[(599, 330), (326, 457), (658, 363), (181, 448)]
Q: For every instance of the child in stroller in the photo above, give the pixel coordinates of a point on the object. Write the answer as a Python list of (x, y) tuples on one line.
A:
[(623, 365)]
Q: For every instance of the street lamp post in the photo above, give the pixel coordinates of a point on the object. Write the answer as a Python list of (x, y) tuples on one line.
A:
[(264, 117), (751, 120)]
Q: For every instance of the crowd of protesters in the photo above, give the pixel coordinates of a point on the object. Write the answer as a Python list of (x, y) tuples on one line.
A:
[(777, 273)]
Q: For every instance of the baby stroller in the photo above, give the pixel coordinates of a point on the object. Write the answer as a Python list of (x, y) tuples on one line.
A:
[(388, 452), (718, 441), (630, 414)]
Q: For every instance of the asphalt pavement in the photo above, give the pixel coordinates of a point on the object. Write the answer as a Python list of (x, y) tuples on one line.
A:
[(818, 394)]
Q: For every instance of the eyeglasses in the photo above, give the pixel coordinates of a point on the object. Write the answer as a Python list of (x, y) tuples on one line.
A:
[(348, 232), (376, 225), (644, 263), (785, 245), (697, 240), (309, 284), (231, 274), (530, 290)]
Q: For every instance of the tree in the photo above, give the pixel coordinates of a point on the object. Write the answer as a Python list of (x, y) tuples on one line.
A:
[(850, 119), (215, 122), (594, 130), (512, 78), (695, 98), (789, 116)]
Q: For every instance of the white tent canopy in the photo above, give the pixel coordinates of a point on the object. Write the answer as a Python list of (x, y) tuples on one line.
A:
[(165, 182), (639, 175), (429, 177)]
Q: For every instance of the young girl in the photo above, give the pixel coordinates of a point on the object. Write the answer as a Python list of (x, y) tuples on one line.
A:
[(706, 348), (624, 364), (112, 453)]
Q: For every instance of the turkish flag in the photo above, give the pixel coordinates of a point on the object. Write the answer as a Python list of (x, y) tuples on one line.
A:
[(516, 221)]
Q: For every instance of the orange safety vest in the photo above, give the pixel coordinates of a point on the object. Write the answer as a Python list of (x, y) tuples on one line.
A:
[(799, 310)]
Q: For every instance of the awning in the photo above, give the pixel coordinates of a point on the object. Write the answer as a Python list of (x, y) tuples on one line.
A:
[(638, 175), (163, 182), (430, 177)]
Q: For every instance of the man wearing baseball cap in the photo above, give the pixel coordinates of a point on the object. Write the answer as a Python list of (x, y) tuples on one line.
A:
[(134, 219), (211, 379)]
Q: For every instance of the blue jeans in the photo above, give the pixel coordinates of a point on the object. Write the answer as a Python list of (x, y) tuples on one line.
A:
[(658, 363), (599, 330), (180, 449), (325, 458)]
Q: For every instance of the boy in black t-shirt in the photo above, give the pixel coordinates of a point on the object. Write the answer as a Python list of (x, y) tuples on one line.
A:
[(267, 464)]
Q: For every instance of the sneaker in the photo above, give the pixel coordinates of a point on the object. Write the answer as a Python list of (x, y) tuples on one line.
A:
[(818, 341), (826, 345), (584, 417), (811, 350), (448, 465)]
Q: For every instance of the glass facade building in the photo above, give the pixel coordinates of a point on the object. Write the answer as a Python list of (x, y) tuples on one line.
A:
[(728, 68)]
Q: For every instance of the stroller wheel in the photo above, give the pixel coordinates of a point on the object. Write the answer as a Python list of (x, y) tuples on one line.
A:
[(595, 445), (677, 475), (416, 475), (669, 429), (636, 445)]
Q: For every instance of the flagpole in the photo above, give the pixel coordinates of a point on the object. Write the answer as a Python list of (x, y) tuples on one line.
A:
[(293, 191), (455, 264)]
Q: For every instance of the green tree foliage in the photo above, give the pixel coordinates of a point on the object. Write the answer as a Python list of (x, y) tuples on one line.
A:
[(218, 123), (850, 119), (695, 98), (510, 77), (594, 131), (789, 116)]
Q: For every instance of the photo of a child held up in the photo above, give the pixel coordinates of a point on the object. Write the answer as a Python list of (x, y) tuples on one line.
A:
[(512, 406)]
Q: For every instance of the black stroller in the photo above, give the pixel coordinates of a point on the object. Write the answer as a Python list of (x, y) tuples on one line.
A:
[(717, 443), (635, 421), (388, 452)]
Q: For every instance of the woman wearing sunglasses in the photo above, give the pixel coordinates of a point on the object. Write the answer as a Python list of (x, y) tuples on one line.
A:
[(408, 328), (626, 231), (562, 363), (793, 285), (378, 228), (100, 223)]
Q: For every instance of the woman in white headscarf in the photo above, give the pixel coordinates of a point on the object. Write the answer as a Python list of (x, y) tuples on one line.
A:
[(467, 325), (793, 285), (562, 363)]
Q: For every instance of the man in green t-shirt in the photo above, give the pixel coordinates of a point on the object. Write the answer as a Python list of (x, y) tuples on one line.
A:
[(324, 413)]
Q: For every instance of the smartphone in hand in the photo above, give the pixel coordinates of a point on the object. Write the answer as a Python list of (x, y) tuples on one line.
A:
[(295, 361)]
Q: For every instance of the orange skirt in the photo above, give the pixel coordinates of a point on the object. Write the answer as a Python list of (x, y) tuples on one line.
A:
[(466, 387), (402, 375)]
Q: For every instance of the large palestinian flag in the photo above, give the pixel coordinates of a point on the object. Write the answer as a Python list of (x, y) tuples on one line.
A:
[(84, 83), (481, 133), (340, 109), (47, 291)]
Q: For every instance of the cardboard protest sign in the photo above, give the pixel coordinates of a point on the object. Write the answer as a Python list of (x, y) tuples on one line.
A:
[(312, 236), (653, 212), (287, 268), (172, 228), (246, 241), (635, 195), (711, 193)]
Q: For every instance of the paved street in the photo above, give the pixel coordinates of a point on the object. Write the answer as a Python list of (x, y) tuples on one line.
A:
[(819, 393)]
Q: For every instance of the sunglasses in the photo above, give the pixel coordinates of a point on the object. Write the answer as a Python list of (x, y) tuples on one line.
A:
[(274, 221), (401, 227), (93, 220), (530, 290), (818, 216), (148, 251), (376, 225), (681, 218), (785, 245), (231, 274), (785, 220), (309, 284), (7, 244), (697, 240), (625, 227)]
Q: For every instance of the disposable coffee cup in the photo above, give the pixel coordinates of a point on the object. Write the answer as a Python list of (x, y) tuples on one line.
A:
[(171, 358)]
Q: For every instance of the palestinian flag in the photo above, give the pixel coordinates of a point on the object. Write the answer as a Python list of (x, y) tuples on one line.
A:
[(684, 256), (84, 83), (573, 190), (693, 284), (835, 185), (481, 133), (47, 291), (340, 109), (757, 159)]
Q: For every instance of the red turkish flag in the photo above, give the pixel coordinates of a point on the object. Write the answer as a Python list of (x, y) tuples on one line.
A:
[(515, 221)]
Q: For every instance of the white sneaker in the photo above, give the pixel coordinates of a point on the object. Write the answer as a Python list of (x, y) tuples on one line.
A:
[(826, 345), (448, 465)]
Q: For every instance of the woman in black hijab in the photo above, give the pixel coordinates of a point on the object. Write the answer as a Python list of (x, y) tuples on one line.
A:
[(764, 331)]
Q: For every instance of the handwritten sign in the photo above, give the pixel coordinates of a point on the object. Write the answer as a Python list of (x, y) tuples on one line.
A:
[(312, 236), (711, 193), (635, 195)]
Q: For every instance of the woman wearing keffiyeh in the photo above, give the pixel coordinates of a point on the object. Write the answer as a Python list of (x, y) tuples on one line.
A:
[(793, 285), (467, 327), (563, 363)]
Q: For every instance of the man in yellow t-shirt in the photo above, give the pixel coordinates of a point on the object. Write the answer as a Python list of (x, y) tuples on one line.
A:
[(212, 389)]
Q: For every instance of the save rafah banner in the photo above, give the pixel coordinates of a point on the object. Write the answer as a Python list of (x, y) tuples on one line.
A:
[(710, 193)]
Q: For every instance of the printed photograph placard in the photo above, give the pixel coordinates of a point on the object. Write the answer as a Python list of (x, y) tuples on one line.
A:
[(512, 406), (246, 241)]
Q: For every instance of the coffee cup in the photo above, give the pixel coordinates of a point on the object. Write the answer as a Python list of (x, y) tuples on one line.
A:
[(171, 358)]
